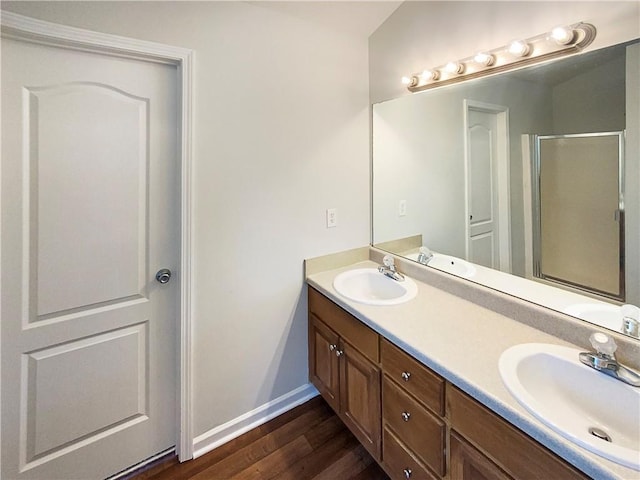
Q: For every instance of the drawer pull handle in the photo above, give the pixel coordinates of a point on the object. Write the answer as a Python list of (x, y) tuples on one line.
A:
[(407, 473), (406, 416), (406, 376)]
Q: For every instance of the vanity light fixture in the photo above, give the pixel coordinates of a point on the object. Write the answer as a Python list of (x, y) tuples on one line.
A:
[(560, 41), (563, 35), (454, 67), (485, 59), (407, 80), (430, 75), (519, 48)]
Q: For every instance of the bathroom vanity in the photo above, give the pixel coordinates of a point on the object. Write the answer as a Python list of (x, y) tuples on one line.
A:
[(418, 385)]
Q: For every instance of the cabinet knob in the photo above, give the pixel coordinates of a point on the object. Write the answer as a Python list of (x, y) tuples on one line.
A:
[(406, 416), (407, 473), (332, 347), (406, 376), (339, 353)]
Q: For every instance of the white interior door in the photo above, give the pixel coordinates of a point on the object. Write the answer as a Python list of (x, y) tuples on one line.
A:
[(483, 240), (90, 213)]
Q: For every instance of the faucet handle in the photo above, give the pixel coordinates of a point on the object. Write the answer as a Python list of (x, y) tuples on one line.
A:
[(388, 261), (603, 344)]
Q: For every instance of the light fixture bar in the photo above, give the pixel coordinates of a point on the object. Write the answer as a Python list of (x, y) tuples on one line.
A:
[(560, 41)]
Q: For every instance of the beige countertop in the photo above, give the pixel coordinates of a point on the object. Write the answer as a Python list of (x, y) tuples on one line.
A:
[(462, 342)]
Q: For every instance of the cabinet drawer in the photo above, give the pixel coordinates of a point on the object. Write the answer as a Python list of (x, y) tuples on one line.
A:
[(345, 325), (418, 429), (399, 463), (518, 454), (414, 377)]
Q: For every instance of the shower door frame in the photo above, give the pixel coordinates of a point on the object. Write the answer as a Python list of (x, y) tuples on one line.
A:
[(537, 218)]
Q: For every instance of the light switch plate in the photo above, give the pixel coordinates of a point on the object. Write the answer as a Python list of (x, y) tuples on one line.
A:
[(402, 208), (332, 217)]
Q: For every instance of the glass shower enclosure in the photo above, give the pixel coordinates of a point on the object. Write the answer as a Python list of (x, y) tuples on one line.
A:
[(578, 203)]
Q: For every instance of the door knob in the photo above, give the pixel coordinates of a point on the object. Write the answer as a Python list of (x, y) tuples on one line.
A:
[(163, 275)]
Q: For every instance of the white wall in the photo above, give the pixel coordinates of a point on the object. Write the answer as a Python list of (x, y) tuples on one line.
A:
[(423, 34), (281, 134)]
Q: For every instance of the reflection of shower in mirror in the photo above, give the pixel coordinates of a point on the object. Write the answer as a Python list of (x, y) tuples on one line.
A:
[(578, 211)]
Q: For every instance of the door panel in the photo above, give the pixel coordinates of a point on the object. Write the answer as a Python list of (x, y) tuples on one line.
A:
[(89, 213), (482, 185), (102, 398), (481, 248), (481, 171), (108, 160)]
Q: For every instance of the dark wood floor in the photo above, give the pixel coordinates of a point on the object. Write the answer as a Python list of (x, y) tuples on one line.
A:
[(308, 442)]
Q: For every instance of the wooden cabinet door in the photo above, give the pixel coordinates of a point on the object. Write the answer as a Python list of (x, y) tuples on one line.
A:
[(360, 398), (467, 463), (323, 361), (517, 454)]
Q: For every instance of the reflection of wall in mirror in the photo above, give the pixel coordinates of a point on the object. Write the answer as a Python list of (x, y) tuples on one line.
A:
[(632, 175), (577, 110), (419, 153)]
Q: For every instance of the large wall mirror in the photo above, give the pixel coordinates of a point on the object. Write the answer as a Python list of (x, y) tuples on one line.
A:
[(527, 182)]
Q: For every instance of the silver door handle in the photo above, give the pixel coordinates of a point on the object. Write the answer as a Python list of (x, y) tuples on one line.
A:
[(163, 276)]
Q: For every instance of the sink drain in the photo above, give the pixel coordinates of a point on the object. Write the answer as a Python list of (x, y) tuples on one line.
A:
[(601, 434)]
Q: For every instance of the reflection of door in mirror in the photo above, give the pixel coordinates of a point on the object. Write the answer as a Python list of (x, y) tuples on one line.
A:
[(487, 191), (580, 218)]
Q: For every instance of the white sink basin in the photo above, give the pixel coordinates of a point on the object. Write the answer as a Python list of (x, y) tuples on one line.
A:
[(368, 285), (571, 398), (449, 264), (608, 316)]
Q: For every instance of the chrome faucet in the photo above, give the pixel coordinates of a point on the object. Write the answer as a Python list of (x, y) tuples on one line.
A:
[(389, 269), (604, 360), (630, 320), (424, 255)]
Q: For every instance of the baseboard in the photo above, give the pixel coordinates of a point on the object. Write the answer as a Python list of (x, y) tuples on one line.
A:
[(234, 428)]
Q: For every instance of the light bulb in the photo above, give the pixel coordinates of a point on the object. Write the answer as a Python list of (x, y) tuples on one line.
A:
[(519, 48), (410, 81), (485, 59), (454, 67), (428, 75), (563, 35)]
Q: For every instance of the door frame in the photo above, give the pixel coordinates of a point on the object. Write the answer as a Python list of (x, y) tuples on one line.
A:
[(46, 33), (503, 176)]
